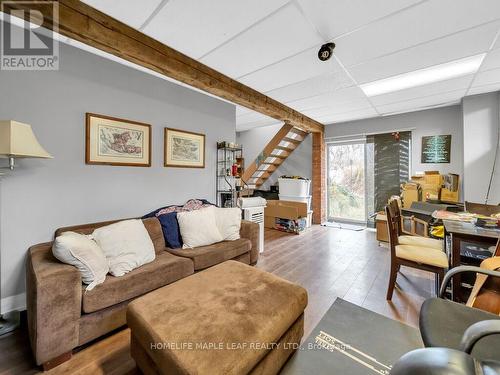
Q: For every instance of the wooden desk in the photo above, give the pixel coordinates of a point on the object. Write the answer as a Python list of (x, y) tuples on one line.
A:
[(465, 231)]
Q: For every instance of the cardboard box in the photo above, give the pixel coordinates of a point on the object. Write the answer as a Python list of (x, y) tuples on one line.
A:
[(450, 196), (433, 178), (420, 179), (410, 196), (287, 216), (430, 191), (381, 226), (411, 193)]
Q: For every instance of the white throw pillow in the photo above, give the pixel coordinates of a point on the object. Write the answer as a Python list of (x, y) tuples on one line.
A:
[(126, 244), (198, 228), (228, 222), (82, 252)]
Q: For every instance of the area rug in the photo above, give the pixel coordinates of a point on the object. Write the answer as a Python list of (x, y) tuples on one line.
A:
[(351, 340)]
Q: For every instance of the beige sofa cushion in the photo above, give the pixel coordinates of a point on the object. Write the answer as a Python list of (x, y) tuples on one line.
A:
[(81, 251), (231, 304), (152, 225), (165, 269), (126, 245), (198, 228), (207, 256)]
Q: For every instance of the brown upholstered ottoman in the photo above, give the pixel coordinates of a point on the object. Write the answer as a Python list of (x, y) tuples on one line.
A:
[(229, 319)]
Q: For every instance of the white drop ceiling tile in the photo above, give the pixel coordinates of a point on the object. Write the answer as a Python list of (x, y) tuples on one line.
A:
[(487, 77), (334, 18), (196, 27), (348, 116), (421, 103), (348, 95), (297, 68), (497, 43), (484, 89), (491, 61), (423, 91), (132, 12), (453, 47), (256, 124), (240, 110), (337, 110), (424, 22), (279, 36), (251, 117), (312, 87)]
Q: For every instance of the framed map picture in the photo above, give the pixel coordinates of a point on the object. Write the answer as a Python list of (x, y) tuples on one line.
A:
[(115, 141), (184, 149)]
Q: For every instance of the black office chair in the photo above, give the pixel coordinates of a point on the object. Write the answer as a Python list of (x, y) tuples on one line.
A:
[(443, 323), (459, 340)]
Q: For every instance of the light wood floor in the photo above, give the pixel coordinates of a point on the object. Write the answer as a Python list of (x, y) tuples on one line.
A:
[(328, 262)]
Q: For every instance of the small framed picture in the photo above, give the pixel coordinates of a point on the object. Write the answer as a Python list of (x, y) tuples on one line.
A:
[(184, 149), (115, 141)]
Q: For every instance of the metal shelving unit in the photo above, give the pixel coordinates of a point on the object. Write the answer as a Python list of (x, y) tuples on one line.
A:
[(226, 183)]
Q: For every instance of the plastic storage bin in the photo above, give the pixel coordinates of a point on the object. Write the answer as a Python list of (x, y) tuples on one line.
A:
[(294, 187), (293, 198)]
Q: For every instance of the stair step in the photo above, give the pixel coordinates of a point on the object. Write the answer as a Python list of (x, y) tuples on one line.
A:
[(277, 156), (292, 140), (285, 148), (270, 169), (302, 133)]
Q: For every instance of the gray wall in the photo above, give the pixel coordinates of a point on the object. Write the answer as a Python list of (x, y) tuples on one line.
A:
[(446, 120), (299, 163), (481, 126), (42, 195)]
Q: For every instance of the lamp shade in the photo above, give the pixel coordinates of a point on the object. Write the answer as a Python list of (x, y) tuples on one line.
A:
[(17, 140)]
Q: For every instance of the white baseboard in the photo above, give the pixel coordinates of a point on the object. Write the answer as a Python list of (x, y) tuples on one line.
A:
[(13, 303)]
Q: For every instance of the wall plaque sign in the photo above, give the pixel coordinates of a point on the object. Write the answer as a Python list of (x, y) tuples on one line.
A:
[(436, 149)]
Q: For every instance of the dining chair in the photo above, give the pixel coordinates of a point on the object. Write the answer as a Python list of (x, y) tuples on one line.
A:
[(425, 258)]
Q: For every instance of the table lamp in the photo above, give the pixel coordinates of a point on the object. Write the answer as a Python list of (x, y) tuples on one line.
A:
[(16, 141)]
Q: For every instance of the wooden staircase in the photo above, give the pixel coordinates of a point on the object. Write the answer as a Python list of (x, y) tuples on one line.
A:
[(287, 139)]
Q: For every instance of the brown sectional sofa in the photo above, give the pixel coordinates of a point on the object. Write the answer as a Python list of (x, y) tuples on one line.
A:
[(63, 316)]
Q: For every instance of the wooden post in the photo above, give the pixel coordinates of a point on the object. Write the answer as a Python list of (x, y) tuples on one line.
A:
[(318, 178)]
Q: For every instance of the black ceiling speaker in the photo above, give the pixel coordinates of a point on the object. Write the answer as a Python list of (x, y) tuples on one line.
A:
[(326, 51)]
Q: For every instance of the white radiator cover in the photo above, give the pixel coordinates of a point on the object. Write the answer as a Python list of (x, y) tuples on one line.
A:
[(256, 215)]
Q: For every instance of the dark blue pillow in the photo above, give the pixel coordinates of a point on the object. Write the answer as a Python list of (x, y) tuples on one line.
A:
[(171, 231)]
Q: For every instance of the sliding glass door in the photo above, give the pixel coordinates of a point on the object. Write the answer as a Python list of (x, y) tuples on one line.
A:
[(346, 182), (364, 172)]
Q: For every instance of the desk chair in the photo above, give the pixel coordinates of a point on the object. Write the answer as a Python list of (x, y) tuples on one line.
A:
[(443, 323), (416, 256)]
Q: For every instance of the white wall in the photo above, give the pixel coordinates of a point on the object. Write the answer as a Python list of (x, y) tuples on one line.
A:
[(299, 163), (481, 131), (446, 120), (42, 195)]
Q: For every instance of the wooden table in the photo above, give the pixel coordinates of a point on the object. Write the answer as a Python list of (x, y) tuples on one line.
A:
[(465, 231)]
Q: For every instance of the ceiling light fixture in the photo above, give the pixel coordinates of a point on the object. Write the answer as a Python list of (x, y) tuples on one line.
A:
[(436, 73)]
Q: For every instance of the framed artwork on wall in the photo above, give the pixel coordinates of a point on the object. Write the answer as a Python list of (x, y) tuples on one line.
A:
[(184, 149), (436, 149), (115, 141)]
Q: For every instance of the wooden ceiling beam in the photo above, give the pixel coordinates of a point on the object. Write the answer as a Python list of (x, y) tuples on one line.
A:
[(83, 23)]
